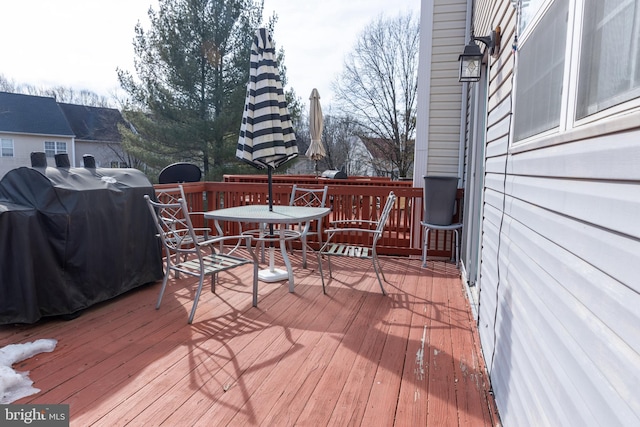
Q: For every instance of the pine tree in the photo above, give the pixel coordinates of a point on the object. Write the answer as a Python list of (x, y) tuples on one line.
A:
[(192, 67)]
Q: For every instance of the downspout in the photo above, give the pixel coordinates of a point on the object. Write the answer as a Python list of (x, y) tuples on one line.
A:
[(73, 151)]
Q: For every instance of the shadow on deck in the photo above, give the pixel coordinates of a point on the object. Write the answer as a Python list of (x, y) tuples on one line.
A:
[(351, 357)]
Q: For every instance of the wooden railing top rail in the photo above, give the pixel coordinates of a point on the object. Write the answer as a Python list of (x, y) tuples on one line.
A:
[(312, 180)]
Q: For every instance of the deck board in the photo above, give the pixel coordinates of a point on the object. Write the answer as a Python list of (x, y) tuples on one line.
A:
[(413, 398), (352, 357)]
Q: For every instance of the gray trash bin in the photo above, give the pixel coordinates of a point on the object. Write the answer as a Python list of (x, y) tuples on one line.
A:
[(439, 199)]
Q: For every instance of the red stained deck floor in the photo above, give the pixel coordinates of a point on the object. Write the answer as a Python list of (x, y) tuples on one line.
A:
[(351, 357)]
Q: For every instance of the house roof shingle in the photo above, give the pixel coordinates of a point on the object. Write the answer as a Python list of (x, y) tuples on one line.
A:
[(93, 123), (32, 114)]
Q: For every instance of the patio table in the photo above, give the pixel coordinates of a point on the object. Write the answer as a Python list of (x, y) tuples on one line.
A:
[(280, 215)]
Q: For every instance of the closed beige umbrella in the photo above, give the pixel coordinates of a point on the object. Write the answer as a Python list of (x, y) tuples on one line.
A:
[(316, 149)]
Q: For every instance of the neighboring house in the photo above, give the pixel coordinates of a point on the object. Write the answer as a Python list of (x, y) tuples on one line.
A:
[(370, 157), (96, 133), (547, 148), (40, 124), (30, 124), (359, 160)]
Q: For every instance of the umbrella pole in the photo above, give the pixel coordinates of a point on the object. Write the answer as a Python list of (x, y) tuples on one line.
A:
[(270, 196), (272, 274), (270, 184)]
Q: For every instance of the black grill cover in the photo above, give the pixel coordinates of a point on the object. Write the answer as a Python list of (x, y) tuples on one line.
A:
[(72, 237), (334, 174)]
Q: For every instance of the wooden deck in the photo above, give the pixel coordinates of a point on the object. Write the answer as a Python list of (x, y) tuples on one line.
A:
[(351, 357)]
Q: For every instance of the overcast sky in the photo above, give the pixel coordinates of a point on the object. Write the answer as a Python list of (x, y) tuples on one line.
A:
[(80, 43)]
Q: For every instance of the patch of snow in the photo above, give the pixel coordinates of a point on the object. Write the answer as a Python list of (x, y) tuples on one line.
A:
[(16, 385)]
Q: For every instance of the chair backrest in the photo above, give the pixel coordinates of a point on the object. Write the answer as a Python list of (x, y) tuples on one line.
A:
[(310, 197), (179, 172), (384, 215), (170, 195), (174, 226)]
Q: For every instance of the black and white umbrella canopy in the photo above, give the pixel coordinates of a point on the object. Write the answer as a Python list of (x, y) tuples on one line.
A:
[(267, 139)]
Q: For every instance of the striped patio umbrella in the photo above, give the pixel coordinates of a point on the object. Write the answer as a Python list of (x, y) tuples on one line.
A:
[(316, 150), (267, 139)]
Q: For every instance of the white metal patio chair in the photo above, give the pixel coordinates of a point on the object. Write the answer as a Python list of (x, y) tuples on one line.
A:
[(309, 197), (372, 229), (183, 250), (171, 195)]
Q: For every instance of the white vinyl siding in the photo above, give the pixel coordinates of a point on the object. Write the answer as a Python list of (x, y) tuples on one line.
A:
[(559, 293), (446, 96)]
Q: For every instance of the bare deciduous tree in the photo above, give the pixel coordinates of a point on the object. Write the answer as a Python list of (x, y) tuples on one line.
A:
[(337, 135), (60, 93), (378, 87)]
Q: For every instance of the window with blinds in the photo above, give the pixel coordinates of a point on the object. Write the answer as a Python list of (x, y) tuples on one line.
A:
[(610, 55)]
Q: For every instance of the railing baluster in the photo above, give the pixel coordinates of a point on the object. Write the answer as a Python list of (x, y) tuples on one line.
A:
[(352, 198)]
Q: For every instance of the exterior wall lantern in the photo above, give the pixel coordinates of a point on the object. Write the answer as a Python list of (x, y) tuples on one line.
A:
[(471, 58)]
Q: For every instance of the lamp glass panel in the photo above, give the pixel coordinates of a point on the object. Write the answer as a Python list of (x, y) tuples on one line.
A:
[(471, 67)]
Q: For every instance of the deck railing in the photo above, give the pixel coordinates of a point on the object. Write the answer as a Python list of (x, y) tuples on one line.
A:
[(347, 198)]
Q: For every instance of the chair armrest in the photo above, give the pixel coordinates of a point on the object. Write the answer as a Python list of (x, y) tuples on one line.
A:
[(206, 229), (347, 230), (219, 239), (238, 239), (352, 221)]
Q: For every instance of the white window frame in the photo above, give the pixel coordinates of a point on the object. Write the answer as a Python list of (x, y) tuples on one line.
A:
[(615, 110), (619, 117), (118, 164), (7, 144), (534, 21), (59, 147)]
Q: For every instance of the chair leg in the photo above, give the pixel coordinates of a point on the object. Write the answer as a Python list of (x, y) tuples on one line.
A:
[(381, 271), (378, 270), (255, 284), (304, 251), (424, 247), (164, 285), (165, 279), (455, 231), (195, 300), (320, 270), (329, 263), (176, 273), (214, 278)]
